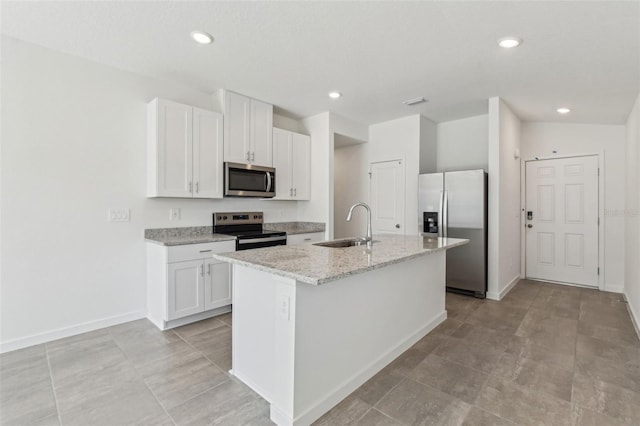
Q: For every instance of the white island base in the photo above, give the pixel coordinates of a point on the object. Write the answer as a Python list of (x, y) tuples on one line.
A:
[(306, 347)]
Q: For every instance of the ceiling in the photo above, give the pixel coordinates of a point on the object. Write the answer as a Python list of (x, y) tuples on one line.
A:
[(584, 55)]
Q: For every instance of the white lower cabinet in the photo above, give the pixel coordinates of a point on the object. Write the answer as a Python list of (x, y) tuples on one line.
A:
[(217, 287), (311, 237), (184, 284), (185, 289)]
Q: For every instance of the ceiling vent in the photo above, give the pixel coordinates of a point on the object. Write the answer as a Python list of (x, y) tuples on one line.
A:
[(414, 101)]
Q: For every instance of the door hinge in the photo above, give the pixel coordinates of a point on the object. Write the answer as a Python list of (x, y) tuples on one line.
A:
[(598, 270), (369, 174)]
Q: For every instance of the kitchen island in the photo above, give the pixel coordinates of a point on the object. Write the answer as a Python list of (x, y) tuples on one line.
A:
[(311, 323)]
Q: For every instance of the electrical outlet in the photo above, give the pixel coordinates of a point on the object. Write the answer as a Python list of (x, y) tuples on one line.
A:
[(283, 307), (174, 214), (119, 215)]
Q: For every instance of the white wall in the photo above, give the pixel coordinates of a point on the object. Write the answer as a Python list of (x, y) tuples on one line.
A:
[(286, 123), (632, 212), (463, 144), (73, 145), (428, 146), (351, 182), (541, 139), (504, 199), (400, 139)]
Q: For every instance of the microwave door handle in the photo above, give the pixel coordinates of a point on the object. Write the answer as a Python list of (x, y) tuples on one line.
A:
[(268, 181)]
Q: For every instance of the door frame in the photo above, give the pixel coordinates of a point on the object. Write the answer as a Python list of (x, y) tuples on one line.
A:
[(601, 198)]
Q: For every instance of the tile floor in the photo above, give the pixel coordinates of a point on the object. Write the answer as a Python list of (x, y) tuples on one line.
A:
[(545, 355)]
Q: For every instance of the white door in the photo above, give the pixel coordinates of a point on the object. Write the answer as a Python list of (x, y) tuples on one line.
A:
[(207, 154), (561, 220), (282, 163), (217, 290), (174, 149), (185, 289), (300, 167), (237, 128), (387, 197)]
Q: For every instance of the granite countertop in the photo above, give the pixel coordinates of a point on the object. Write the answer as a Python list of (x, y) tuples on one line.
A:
[(185, 235), (294, 227), (318, 265)]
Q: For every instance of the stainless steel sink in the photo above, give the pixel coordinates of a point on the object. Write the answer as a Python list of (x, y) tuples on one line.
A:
[(349, 242)]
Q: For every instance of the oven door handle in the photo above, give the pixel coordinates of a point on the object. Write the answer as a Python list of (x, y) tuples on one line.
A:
[(262, 240), (268, 181)]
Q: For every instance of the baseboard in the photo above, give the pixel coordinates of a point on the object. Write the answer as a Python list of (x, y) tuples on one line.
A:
[(167, 325), (498, 296), (357, 380), (635, 319), (48, 336), (614, 288)]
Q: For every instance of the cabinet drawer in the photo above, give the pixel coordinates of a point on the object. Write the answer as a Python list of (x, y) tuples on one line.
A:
[(198, 251), (310, 237)]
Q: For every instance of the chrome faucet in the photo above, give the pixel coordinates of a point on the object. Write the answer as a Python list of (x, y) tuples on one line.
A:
[(369, 238)]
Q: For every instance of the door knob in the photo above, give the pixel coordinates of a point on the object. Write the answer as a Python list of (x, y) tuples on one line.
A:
[(529, 226), (398, 225)]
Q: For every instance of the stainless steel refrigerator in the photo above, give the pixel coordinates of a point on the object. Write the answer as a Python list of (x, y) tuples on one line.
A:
[(454, 204)]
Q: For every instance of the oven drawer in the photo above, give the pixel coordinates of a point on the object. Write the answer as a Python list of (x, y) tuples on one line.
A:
[(198, 251)]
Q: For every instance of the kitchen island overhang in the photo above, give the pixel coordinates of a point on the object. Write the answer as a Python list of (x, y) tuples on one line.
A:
[(311, 324)]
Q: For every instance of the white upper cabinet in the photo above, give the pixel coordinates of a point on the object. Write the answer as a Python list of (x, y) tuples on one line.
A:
[(291, 159), (300, 166), (184, 151), (248, 125), (207, 154)]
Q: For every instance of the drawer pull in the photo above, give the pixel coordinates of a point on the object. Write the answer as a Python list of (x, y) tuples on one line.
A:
[(205, 251), (307, 239)]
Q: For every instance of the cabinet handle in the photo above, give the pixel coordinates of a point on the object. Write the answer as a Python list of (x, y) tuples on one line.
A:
[(202, 270), (205, 251), (307, 239), (248, 156), (295, 192), (253, 156), (209, 269), (190, 186), (291, 192), (197, 187)]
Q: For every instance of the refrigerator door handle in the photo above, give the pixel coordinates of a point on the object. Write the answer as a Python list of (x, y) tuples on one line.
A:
[(445, 214), (441, 210)]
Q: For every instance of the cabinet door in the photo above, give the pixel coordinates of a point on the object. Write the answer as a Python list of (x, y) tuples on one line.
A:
[(207, 154), (261, 133), (300, 166), (185, 289), (237, 128), (217, 291), (174, 149), (282, 163)]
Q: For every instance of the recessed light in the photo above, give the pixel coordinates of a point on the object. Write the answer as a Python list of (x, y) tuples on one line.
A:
[(563, 110), (335, 95), (509, 42), (202, 37)]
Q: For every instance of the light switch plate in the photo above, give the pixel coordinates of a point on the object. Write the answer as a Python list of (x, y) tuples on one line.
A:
[(119, 215)]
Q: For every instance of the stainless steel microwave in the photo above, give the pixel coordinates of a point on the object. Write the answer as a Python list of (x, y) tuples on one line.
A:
[(248, 180)]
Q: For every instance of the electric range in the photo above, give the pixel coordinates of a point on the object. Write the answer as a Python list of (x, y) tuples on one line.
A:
[(247, 228)]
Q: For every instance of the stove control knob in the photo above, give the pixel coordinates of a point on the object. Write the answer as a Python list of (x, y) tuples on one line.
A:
[(224, 217), (219, 217)]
